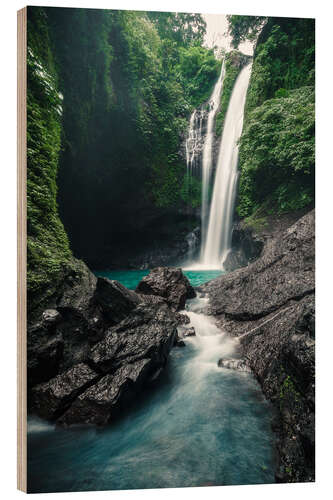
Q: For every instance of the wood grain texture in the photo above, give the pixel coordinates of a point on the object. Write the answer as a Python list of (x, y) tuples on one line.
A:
[(22, 249)]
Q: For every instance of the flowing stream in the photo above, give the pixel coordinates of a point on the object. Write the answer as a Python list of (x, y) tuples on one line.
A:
[(217, 239), (201, 425)]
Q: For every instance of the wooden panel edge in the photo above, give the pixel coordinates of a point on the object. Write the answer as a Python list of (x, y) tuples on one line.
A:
[(21, 250)]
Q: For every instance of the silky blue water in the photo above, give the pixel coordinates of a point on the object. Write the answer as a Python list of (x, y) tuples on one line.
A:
[(200, 425), (130, 278)]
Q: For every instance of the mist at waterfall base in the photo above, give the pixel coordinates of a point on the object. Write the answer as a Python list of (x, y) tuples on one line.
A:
[(201, 425)]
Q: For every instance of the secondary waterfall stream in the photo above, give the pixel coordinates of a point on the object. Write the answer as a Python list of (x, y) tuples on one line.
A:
[(200, 425), (199, 143)]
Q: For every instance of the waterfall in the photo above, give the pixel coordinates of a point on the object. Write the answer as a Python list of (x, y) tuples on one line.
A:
[(191, 240), (214, 102), (218, 236), (193, 142)]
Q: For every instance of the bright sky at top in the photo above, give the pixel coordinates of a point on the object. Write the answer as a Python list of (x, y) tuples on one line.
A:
[(217, 34)]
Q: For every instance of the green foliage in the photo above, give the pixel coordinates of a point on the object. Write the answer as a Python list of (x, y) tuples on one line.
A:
[(182, 28), (277, 147), (165, 185), (198, 69), (242, 28), (130, 81), (255, 222), (284, 59), (281, 93), (232, 69), (190, 191), (288, 393), (277, 154), (47, 246)]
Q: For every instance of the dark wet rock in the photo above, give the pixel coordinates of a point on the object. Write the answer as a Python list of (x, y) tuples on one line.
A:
[(51, 316), (247, 241), (269, 305), (281, 353), (185, 331), (78, 290), (131, 353), (102, 402), (189, 332), (165, 254), (58, 333), (97, 328), (53, 397), (168, 283), (44, 353), (182, 319), (129, 356), (234, 364), (115, 300), (147, 333), (249, 236), (235, 259), (180, 343), (246, 246), (284, 272), (152, 299)]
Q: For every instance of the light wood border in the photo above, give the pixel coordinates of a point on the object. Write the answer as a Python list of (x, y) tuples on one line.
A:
[(22, 249)]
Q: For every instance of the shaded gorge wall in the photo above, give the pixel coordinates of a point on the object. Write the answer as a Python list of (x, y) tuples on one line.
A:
[(129, 85)]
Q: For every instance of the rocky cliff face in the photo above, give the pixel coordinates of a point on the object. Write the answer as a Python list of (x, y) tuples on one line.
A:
[(249, 236), (269, 306), (98, 344)]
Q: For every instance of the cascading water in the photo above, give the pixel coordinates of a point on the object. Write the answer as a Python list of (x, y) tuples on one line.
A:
[(193, 141), (191, 240), (207, 151), (200, 425), (218, 236)]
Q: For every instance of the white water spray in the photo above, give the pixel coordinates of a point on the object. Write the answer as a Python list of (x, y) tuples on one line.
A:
[(210, 342), (218, 237)]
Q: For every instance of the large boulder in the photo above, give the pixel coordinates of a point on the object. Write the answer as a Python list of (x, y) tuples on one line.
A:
[(78, 290), (102, 402), (58, 335), (285, 272), (168, 283), (44, 353), (103, 331), (51, 398), (129, 355), (115, 300), (61, 336), (146, 333)]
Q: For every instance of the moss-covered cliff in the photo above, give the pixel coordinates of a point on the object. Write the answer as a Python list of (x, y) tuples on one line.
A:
[(49, 254), (277, 144), (129, 81)]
